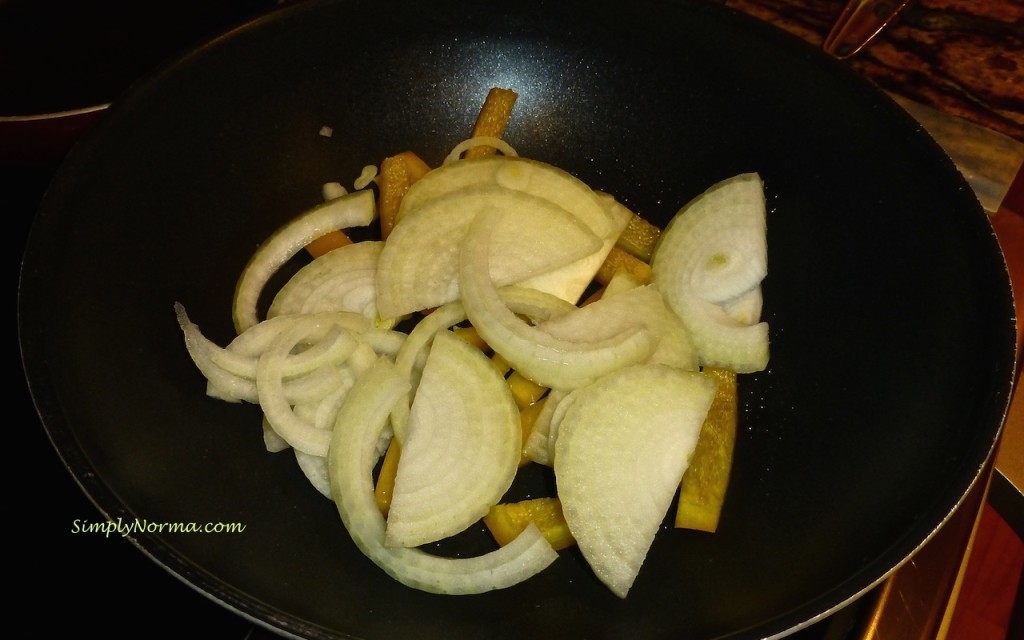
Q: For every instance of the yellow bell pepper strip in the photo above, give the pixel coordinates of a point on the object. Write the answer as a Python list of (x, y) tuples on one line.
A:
[(492, 119), (385, 486), (327, 242), (397, 174), (527, 418), (470, 335), (501, 364), (639, 238), (702, 491), (524, 391), (415, 166), (620, 259), (506, 520)]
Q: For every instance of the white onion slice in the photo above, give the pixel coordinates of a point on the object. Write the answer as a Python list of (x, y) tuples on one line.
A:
[(300, 433), (545, 359), (273, 442), (353, 454), (220, 383), (412, 356), (532, 177), (571, 281), (599, 212), (537, 447), (344, 279), (353, 210), (715, 246), (478, 141), (418, 268), (614, 314), (231, 371), (461, 447), (622, 449), (315, 470), (707, 262)]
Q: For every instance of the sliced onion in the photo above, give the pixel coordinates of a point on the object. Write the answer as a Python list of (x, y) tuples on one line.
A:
[(309, 374), (531, 303), (538, 179), (599, 212), (461, 446), (353, 454), (273, 442), (478, 141), (537, 446), (353, 210), (344, 279), (716, 246), (300, 433), (571, 281), (418, 268), (709, 263), (258, 338), (221, 383), (412, 356), (541, 357), (614, 314), (315, 470), (622, 449), (745, 308)]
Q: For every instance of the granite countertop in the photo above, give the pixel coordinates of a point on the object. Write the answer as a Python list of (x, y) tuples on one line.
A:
[(963, 57)]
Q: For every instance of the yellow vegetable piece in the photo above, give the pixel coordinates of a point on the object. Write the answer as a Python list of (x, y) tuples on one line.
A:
[(507, 520), (470, 335), (702, 491), (619, 259), (524, 391), (492, 119), (639, 238), (501, 364), (415, 167), (385, 487), (397, 174), (528, 418), (327, 242)]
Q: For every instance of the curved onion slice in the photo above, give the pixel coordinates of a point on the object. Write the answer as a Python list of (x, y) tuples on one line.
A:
[(716, 246), (461, 447), (411, 357), (708, 260), (613, 314), (622, 449), (478, 141), (418, 268), (300, 433), (605, 217), (545, 359), (571, 281), (315, 470), (353, 210), (532, 177), (531, 303), (231, 371), (353, 454), (231, 376), (344, 279), (536, 447)]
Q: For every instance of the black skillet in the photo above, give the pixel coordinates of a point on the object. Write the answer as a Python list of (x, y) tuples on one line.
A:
[(890, 309)]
